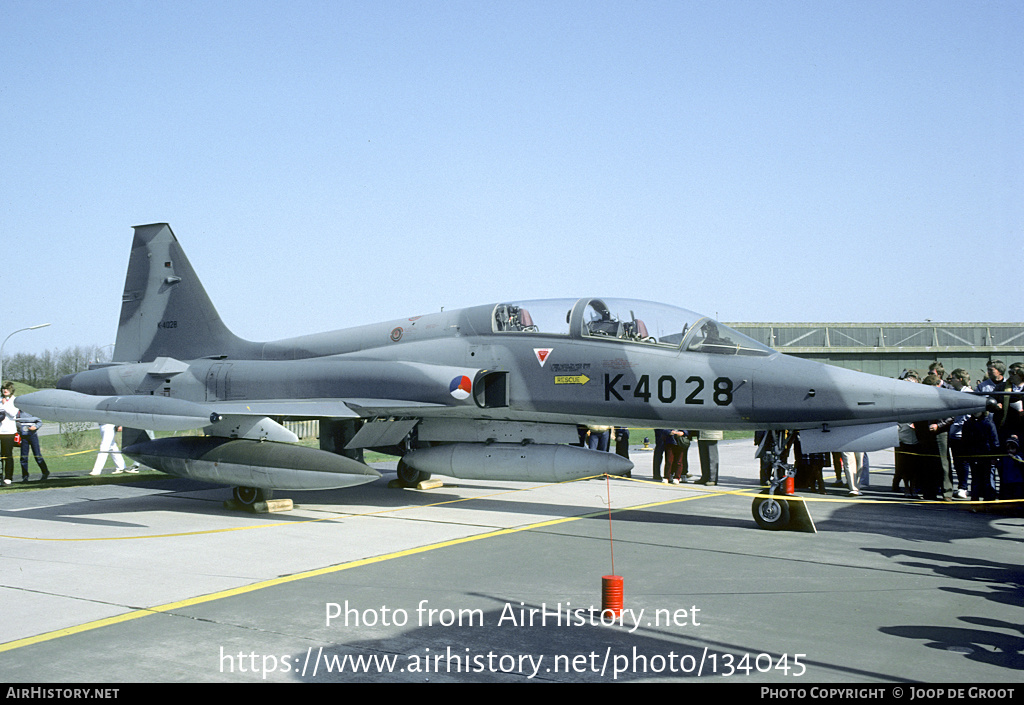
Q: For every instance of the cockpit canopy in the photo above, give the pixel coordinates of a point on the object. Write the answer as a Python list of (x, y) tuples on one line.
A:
[(639, 322)]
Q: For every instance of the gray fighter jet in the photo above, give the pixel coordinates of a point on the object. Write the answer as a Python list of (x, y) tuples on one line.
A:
[(493, 392)]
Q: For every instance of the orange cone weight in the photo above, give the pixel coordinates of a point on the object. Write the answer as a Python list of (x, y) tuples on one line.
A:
[(611, 594)]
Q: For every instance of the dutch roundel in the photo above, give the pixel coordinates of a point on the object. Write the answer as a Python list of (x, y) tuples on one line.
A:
[(461, 387)]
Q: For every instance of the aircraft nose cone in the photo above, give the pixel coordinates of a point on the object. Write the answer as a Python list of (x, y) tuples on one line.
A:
[(915, 402)]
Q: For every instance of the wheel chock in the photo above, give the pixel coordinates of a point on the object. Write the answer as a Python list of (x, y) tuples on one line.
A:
[(397, 484), (799, 518), (268, 507)]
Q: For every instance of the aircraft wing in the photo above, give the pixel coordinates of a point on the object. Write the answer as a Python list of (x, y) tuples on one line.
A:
[(150, 412), (241, 419), (320, 408)]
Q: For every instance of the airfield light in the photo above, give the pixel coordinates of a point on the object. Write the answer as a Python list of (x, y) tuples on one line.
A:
[(41, 325)]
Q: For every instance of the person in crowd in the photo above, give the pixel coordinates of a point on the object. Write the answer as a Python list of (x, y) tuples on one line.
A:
[(809, 468), (108, 446), (28, 429), (906, 460), (981, 444), (622, 441), (8, 430), (599, 438), (707, 447), (1011, 480), (767, 438), (1015, 401), (995, 381), (660, 439), (1012, 484), (837, 466), (938, 369), (1007, 416), (677, 465), (933, 445), (849, 463), (960, 379)]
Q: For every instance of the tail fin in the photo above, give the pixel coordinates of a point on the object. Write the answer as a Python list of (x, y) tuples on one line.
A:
[(165, 312)]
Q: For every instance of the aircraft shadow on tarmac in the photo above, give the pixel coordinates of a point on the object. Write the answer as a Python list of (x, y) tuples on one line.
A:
[(73, 508), (990, 641), (922, 522), (67, 503)]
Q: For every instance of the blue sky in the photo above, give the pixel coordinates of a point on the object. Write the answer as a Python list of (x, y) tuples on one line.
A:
[(329, 164)]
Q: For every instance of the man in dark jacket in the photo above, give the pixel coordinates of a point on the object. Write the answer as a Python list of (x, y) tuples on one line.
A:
[(981, 442), (28, 428), (933, 439)]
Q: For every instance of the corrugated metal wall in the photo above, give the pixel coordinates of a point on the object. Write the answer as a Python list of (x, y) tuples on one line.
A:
[(888, 348), (304, 429)]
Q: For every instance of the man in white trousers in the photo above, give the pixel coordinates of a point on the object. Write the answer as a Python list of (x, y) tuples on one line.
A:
[(108, 446)]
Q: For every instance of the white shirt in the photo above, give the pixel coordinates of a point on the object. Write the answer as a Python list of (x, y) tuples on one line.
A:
[(8, 425)]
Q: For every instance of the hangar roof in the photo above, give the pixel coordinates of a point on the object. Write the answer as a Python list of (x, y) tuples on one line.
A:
[(882, 337)]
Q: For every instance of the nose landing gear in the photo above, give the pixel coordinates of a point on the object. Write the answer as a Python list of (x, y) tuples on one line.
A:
[(777, 509)]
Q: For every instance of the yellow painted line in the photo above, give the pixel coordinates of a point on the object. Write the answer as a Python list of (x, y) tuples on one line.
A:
[(182, 604)]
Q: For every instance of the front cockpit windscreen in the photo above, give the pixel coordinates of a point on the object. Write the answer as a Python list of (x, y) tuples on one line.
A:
[(710, 336), (662, 325)]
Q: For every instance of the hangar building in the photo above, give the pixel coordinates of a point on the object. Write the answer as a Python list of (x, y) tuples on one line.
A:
[(889, 348)]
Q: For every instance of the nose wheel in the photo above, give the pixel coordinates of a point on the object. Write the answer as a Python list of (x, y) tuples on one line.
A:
[(770, 513)]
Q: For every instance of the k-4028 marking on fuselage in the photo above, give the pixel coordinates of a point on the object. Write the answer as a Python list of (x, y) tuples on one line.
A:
[(666, 390)]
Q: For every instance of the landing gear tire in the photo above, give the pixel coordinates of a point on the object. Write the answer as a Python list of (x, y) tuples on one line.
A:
[(770, 513), (409, 475), (249, 496)]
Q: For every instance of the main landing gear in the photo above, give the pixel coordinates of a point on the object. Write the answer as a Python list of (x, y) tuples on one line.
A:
[(249, 496), (410, 476), (257, 500)]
